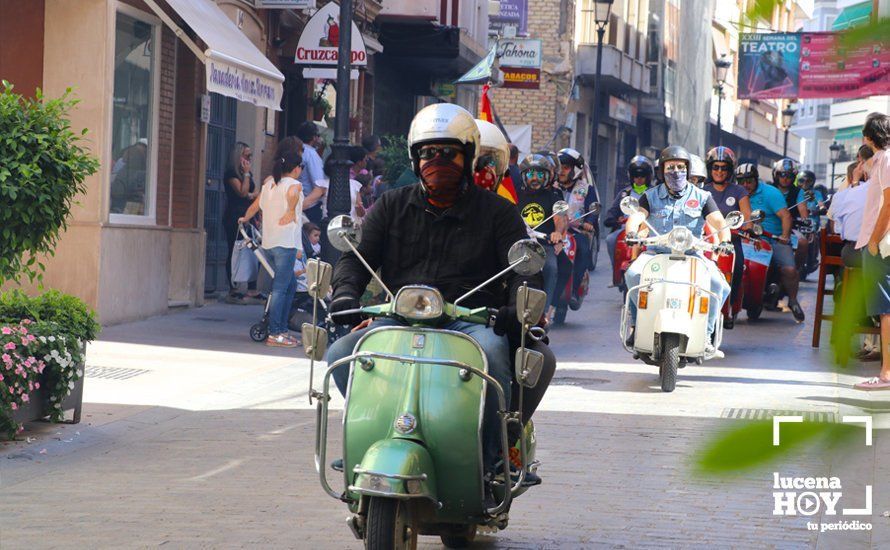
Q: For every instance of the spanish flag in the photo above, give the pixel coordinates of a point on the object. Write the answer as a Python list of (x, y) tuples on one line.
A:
[(507, 187)]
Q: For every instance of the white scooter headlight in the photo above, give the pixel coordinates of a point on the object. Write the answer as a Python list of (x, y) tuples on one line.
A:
[(419, 303), (680, 238)]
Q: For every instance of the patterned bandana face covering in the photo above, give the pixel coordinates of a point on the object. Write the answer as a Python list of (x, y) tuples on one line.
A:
[(675, 180), (442, 179)]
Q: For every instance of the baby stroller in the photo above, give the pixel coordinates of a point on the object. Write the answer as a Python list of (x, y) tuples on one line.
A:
[(300, 310), (252, 240)]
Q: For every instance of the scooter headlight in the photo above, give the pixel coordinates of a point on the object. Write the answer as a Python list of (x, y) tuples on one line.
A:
[(680, 238), (419, 303)]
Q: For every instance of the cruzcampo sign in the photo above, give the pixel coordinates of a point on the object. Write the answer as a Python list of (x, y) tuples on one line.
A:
[(319, 43)]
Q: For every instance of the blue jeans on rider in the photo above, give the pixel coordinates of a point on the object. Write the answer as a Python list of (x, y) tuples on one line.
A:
[(550, 272), (718, 286), (283, 287), (497, 352), (611, 244)]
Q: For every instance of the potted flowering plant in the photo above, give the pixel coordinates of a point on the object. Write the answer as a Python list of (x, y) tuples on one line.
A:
[(42, 351)]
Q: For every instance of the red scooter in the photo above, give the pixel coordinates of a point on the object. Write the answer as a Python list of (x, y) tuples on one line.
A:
[(726, 265), (564, 302), (758, 254), (622, 260)]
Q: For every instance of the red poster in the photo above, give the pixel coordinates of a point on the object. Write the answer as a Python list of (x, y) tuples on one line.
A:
[(521, 77), (827, 70)]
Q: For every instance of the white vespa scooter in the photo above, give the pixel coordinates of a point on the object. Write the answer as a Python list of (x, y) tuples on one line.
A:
[(672, 300)]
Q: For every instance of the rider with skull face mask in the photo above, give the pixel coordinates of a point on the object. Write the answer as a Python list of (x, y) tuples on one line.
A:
[(678, 203)]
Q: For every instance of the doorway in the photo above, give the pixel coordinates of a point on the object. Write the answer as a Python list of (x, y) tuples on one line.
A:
[(220, 139)]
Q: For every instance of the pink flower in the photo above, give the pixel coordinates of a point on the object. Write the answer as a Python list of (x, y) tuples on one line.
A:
[(31, 338), (6, 330), (14, 406), (9, 346), (6, 358), (36, 385), (1, 378), (26, 321), (24, 341), (25, 397)]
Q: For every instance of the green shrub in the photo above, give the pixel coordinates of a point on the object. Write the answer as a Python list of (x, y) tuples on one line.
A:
[(394, 153), (42, 170), (71, 316)]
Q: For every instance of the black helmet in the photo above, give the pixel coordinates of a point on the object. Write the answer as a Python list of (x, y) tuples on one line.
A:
[(536, 162), (673, 152), (787, 166), (806, 179), (746, 170), (573, 159), (720, 153), (554, 164), (640, 167)]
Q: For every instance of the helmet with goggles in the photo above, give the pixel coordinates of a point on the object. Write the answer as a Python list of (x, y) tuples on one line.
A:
[(494, 149), (444, 124), (785, 168), (536, 170), (806, 179), (640, 167)]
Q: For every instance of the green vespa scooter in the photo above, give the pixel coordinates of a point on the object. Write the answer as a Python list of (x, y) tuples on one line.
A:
[(412, 425)]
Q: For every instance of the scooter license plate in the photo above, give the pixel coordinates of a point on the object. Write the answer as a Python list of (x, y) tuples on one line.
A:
[(674, 303)]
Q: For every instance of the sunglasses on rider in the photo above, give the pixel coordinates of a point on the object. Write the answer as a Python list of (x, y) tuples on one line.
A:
[(536, 173), (720, 168), (785, 174), (485, 161), (747, 181), (430, 152)]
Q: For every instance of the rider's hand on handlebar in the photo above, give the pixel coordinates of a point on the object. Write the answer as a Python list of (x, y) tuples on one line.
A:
[(725, 249), (783, 239), (506, 322), (555, 237), (345, 303), (631, 237)]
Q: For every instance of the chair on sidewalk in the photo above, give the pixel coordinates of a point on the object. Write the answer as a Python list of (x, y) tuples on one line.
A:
[(828, 259), (849, 276)]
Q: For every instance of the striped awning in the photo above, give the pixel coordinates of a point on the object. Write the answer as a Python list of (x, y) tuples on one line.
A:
[(852, 16)]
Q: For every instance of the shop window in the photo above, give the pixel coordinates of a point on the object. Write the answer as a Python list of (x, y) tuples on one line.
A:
[(134, 117)]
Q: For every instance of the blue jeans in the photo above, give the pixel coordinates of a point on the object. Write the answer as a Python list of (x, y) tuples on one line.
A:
[(283, 287), (719, 286), (550, 273), (611, 245), (497, 352), (582, 259)]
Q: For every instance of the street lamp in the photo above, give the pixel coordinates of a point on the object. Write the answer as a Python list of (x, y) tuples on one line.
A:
[(787, 116), (602, 9), (835, 151), (723, 64)]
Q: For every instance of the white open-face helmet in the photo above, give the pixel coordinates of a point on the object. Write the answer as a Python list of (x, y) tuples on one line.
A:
[(493, 142), (697, 167), (444, 123)]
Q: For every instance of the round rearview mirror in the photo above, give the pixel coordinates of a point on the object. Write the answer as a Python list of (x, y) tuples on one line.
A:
[(734, 219), (530, 256), (560, 207), (630, 205), (343, 231), (594, 208), (756, 215)]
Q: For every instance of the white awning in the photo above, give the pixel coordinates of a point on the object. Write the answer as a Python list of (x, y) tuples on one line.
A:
[(234, 66)]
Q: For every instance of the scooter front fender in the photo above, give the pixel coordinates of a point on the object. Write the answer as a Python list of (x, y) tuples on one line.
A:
[(396, 468)]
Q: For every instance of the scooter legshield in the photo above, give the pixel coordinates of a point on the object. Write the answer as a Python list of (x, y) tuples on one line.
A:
[(407, 462), (428, 406)]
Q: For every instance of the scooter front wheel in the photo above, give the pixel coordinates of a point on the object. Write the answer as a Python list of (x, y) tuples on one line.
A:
[(460, 541), (670, 361), (754, 312), (389, 526)]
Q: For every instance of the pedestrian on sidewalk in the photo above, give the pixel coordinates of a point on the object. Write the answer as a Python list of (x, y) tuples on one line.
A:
[(280, 200), (874, 238), (240, 192)]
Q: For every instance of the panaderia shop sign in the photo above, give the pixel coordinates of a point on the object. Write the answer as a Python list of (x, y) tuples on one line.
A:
[(320, 41)]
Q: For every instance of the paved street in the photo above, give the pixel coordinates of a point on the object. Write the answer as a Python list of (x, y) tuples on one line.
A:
[(195, 437)]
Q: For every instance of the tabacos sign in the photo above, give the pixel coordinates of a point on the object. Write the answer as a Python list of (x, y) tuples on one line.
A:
[(320, 40)]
